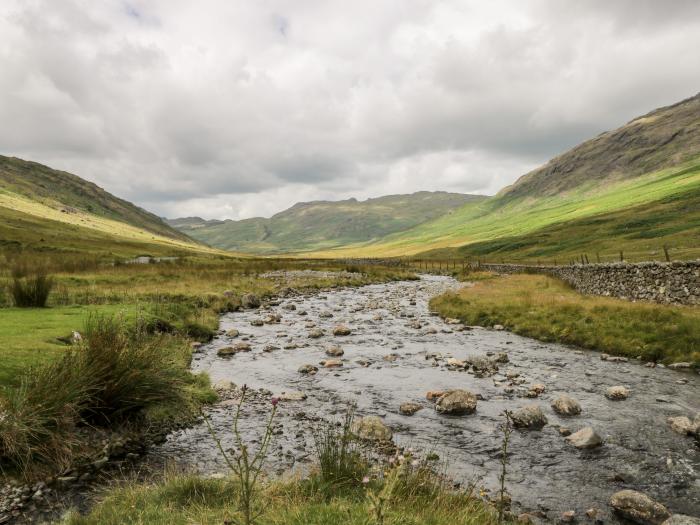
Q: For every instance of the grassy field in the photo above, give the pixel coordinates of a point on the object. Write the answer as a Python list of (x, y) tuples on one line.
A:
[(187, 500), (547, 309), (664, 192)]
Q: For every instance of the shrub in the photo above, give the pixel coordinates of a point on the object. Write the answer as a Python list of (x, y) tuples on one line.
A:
[(30, 288), (339, 457)]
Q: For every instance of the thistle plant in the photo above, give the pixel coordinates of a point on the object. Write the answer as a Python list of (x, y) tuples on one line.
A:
[(507, 429), (245, 464)]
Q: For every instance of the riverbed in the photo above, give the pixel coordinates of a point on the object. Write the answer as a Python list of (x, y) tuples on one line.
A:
[(546, 474)]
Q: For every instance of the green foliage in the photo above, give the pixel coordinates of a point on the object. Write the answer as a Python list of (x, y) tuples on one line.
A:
[(30, 287)]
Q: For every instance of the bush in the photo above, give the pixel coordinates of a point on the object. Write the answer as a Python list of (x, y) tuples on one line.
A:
[(115, 376), (339, 457), (30, 288)]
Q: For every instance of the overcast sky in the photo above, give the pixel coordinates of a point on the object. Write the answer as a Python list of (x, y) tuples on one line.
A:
[(240, 108)]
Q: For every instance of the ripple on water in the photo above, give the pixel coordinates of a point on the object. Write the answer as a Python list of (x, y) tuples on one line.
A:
[(640, 450)]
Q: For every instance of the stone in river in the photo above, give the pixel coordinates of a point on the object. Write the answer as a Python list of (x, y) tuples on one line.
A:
[(639, 508), (432, 395), (292, 396), (232, 333), (682, 519), (332, 363), (408, 409), (456, 402), (617, 393), (682, 425), (530, 417), (341, 330), (371, 428), (585, 438), (250, 300), (566, 406), (334, 351), (307, 369), (315, 334)]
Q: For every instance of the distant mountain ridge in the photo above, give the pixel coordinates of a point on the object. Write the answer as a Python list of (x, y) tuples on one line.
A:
[(324, 224)]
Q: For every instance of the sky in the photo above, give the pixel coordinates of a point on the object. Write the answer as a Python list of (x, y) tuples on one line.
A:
[(241, 108)]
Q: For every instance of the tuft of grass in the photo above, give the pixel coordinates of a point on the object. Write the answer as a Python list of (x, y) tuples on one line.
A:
[(547, 309), (30, 287)]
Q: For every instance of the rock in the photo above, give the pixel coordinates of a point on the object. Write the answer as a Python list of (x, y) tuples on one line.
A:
[(617, 393), (639, 508), (566, 406), (432, 395), (617, 359), (390, 358), (250, 300), (341, 330), (257, 322), (227, 351), (530, 417), (372, 428), (456, 402), (498, 327), (332, 363), (678, 366), (682, 425), (453, 362), (604, 357), (292, 396), (232, 333), (564, 431), (501, 357), (512, 374), (585, 438), (325, 315), (223, 385), (593, 513), (408, 409), (270, 348), (526, 519), (334, 351), (568, 517), (316, 333), (307, 369), (682, 519), (538, 388), (416, 325)]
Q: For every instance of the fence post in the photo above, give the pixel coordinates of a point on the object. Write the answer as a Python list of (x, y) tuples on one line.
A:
[(622, 257), (668, 258)]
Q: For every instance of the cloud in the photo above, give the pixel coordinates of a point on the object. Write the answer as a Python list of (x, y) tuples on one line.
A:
[(238, 109)]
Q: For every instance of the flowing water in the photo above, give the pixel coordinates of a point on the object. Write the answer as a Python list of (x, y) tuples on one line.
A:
[(545, 474)]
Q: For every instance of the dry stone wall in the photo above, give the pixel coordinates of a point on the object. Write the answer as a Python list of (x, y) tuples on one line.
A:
[(672, 283)]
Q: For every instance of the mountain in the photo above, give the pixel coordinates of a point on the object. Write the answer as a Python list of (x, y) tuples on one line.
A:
[(324, 224), (47, 209), (631, 189)]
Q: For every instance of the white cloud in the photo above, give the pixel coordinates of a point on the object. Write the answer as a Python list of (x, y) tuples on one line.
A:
[(237, 108)]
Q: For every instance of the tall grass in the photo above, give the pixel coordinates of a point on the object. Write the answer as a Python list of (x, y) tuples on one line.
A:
[(114, 377), (31, 286)]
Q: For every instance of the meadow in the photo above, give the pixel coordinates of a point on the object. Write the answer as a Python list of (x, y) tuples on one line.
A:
[(549, 310)]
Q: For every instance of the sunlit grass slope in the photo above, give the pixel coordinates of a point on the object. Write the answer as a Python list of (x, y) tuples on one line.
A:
[(28, 223), (501, 217)]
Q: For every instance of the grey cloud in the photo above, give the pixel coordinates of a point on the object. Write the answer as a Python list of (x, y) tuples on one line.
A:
[(231, 109)]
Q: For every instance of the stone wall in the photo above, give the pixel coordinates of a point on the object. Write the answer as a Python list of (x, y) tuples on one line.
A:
[(673, 283)]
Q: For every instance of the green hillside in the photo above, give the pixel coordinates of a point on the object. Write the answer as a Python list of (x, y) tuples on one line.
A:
[(48, 210), (324, 224), (646, 173), (71, 194)]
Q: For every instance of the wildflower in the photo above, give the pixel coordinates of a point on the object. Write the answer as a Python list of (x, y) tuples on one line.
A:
[(274, 401), (365, 480)]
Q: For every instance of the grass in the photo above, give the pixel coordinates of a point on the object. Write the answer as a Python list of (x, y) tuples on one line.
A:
[(500, 217), (547, 309), (189, 499)]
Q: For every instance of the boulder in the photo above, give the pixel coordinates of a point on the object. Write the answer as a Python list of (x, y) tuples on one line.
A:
[(372, 428), (332, 363), (617, 393), (227, 351), (341, 330), (678, 366), (250, 300), (232, 333), (530, 417), (639, 508), (585, 438), (334, 351), (408, 409), (566, 406), (307, 369), (456, 402)]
